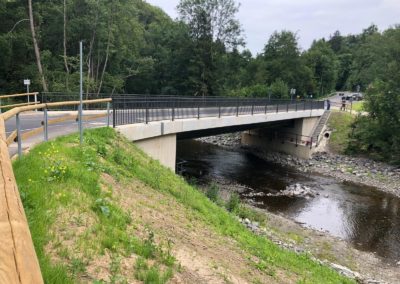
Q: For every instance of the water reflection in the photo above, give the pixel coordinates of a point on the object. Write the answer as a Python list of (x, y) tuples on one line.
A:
[(364, 216)]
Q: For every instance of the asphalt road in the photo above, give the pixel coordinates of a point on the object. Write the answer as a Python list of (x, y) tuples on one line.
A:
[(32, 120)]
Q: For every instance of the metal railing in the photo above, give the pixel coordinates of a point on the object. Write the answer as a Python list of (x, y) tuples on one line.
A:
[(130, 109), (296, 139)]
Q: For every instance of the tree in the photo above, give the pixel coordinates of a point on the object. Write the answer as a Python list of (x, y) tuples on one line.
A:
[(321, 59), (212, 19), (282, 61), (213, 27), (36, 47), (378, 134)]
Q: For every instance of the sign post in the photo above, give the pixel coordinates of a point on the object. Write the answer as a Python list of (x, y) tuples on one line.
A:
[(292, 93), (27, 83)]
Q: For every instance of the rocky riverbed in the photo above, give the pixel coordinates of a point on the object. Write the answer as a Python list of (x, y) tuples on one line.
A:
[(338, 253), (343, 168)]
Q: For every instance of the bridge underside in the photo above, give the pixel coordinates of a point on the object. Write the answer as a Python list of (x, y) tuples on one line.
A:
[(158, 139)]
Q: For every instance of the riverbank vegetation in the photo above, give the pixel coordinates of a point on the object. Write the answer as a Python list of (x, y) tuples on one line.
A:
[(341, 125), (106, 213)]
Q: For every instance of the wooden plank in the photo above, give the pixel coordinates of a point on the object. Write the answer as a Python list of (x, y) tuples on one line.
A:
[(18, 95), (11, 138), (7, 115), (17, 105), (19, 263)]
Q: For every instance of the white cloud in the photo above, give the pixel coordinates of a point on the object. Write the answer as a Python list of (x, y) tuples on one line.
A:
[(312, 19)]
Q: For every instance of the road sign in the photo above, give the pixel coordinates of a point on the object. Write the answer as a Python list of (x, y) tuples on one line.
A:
[(27, 82)]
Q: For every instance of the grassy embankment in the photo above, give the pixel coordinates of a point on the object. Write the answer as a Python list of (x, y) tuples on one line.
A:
[(358, 106), (106, 213), (340, 123)]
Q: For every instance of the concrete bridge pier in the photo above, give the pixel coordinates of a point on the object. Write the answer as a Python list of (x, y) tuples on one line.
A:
[(161, 148), (294, 139)]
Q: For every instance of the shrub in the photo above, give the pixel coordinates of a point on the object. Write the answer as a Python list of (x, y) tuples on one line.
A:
[(213, 192), (233, 203)]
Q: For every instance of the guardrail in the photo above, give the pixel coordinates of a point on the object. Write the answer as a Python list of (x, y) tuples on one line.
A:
[(28, 95), (139, 109), (19, 262)]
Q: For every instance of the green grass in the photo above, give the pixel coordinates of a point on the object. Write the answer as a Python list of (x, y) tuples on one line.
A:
[(340, 123), (358, 106), (53, 174)]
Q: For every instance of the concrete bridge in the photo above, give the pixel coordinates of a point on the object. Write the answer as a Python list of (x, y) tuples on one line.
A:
[(155, 123)]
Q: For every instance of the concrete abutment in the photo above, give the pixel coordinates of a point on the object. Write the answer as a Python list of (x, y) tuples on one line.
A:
[(161, 148), (293, 140)]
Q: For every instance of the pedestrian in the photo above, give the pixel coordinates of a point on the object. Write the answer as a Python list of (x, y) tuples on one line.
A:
[(343, 107), (328, 104)]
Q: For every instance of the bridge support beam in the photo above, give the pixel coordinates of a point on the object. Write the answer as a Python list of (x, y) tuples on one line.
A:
[(294, 140), (161, 148)]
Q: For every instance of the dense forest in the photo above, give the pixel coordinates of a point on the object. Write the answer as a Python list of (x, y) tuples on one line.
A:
[(131, 46)]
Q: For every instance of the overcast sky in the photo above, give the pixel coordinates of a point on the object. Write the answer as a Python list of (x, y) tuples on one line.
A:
[(311, 19)]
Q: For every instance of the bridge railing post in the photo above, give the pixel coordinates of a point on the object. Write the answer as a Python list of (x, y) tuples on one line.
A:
[(296, 106), (277, 106), (114, 113), (237, 107), (266, 106), (45, 125), (252, 107), (198, 110), (147, 111), (287, 106), (219, 108), (173, 111)]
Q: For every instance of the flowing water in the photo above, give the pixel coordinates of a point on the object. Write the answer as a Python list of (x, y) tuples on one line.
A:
[(366, 217)]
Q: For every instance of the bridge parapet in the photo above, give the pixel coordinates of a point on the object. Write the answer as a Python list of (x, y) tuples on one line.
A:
[(131, 109)]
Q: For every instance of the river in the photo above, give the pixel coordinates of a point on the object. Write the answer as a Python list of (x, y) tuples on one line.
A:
[(363, 216)]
